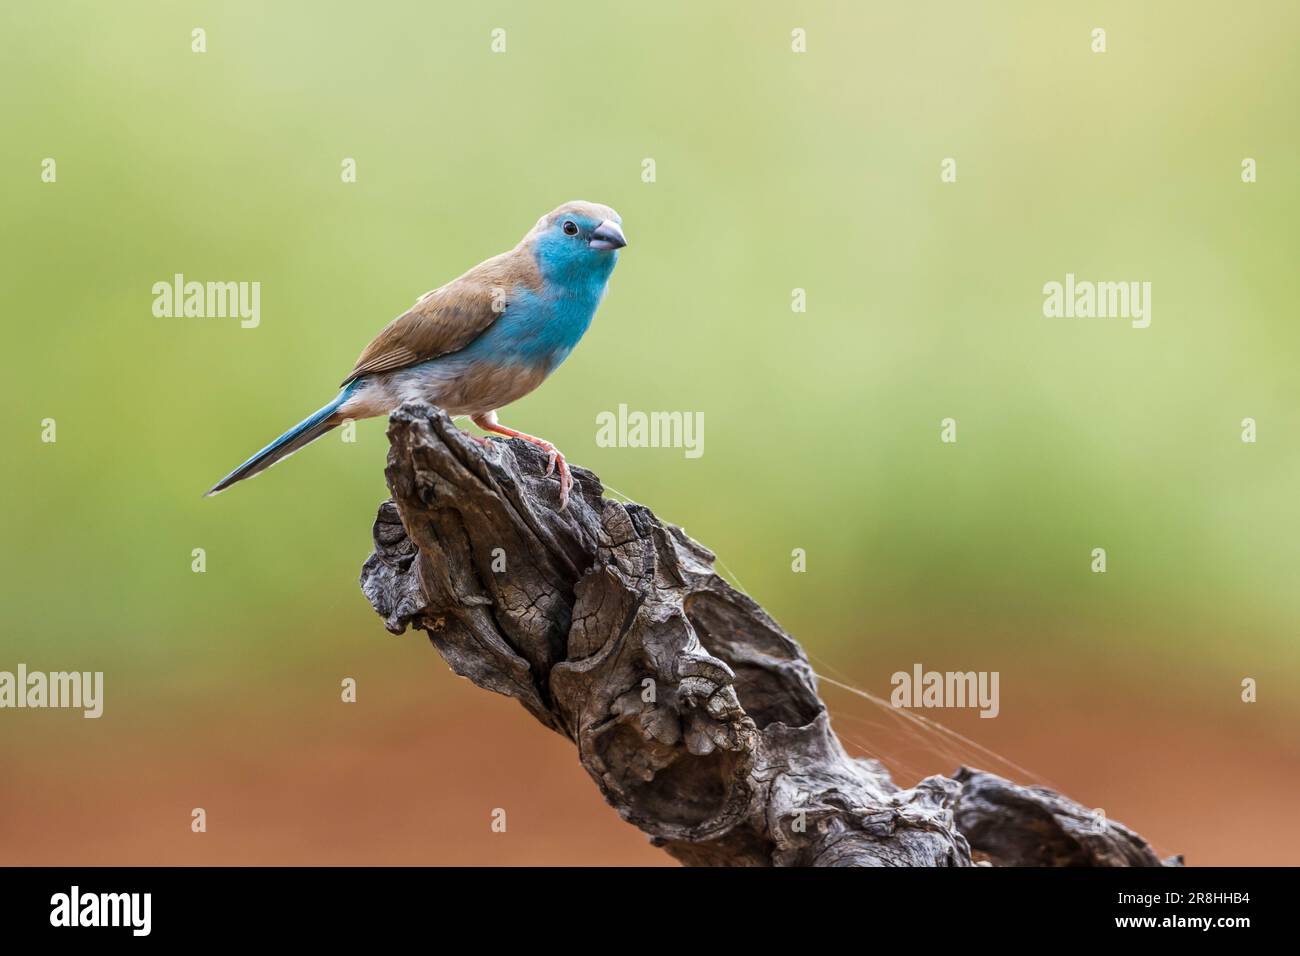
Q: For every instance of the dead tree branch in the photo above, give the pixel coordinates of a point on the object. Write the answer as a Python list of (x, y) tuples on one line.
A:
[(696, 715)]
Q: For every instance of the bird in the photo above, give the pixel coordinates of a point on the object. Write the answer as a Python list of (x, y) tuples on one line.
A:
[(480, 342)]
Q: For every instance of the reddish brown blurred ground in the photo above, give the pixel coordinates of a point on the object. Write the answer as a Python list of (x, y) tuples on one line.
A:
[(414, 780)]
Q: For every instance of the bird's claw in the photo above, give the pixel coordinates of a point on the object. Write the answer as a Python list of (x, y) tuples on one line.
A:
[(554, 462)]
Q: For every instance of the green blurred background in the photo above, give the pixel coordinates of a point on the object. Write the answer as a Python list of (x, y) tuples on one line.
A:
[(775, 170)]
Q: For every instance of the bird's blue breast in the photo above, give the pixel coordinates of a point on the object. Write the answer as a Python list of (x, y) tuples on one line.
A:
[(541, 326)]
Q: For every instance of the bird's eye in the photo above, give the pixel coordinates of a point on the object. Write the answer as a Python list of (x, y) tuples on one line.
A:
[(570, 227)]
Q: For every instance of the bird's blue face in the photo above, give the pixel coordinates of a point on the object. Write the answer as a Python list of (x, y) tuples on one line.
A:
[(577, 245)]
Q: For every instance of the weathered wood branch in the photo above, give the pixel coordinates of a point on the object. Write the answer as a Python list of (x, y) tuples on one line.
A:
[(696, 715)]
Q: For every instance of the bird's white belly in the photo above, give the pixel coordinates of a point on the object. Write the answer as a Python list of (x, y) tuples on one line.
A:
[(459, 387)]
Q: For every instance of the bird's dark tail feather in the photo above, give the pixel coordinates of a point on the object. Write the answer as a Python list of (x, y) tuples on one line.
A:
[(300, 436)]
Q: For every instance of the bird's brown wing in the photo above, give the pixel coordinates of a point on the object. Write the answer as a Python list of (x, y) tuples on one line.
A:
[(448, 318)]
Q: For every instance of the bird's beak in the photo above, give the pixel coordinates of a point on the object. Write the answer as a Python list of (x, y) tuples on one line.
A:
[(608, 235)]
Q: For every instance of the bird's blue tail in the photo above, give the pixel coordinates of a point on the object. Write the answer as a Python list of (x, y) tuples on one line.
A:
[(301, 435)]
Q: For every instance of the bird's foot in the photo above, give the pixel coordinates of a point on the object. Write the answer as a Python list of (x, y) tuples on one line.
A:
[(554, 460)]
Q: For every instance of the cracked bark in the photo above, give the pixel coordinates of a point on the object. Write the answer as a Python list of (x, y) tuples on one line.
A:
[(695, 714)]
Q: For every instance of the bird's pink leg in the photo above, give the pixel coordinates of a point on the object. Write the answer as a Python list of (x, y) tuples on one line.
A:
[(554, 460)]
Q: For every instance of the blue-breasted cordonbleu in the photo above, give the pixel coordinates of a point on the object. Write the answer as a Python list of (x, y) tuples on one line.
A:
[(481, 341)]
